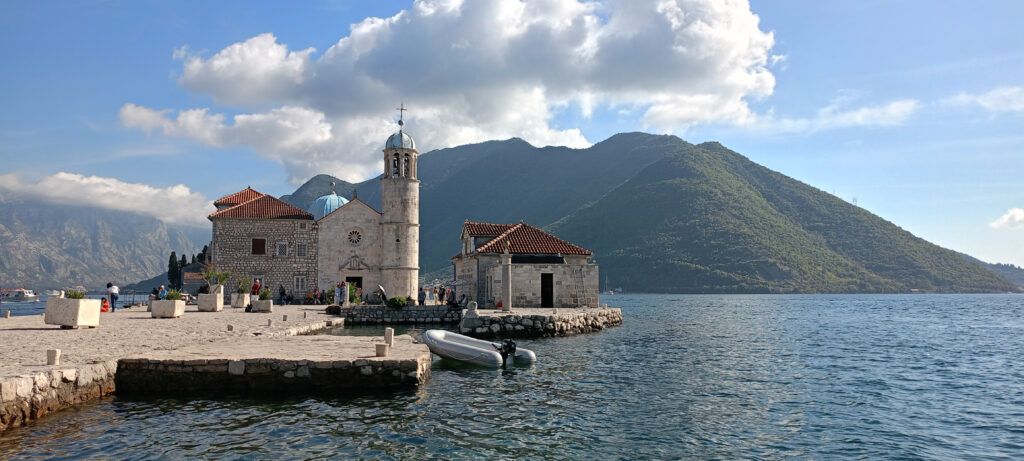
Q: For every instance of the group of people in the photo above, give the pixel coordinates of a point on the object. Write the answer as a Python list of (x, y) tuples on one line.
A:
[(113, 292), (437, 295)]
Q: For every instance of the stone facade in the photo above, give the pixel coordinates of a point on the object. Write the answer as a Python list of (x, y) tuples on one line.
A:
[(533, 258), (341, 254), (232, 250)]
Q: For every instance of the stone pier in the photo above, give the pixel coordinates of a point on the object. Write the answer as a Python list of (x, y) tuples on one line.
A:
[(216, 351), (538, 322)]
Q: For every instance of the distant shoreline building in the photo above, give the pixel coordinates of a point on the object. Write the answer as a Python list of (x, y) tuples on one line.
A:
[(265, 238), (545, 270)]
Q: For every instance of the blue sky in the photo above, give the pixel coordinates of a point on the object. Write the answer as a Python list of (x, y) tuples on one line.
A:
[(915, 109)]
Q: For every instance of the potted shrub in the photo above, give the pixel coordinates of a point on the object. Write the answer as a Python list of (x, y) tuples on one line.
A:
[(172, 307), (241, 296), (264, 304), (214, 300), (72, 311), (397, 302)]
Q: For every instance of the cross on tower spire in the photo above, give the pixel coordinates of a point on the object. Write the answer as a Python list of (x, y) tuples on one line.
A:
[(401, 114)]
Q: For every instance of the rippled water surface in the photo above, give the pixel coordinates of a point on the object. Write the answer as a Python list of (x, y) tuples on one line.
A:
[(922, 376)]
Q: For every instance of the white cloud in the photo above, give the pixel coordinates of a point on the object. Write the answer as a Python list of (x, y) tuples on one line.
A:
[(1012, 219), (174, 204), (1001, 99), (838, 115), (474, 71)]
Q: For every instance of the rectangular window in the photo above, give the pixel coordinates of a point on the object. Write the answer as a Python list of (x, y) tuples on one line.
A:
[(300, 250), (302, 226), (259, 246), (282, 248), (300, 285)]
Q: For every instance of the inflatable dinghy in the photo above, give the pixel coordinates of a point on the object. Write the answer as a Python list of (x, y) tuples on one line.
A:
[(454, 346)]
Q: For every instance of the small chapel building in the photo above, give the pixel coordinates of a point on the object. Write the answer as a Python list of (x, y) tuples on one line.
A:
[(334, 240), (544, 270)]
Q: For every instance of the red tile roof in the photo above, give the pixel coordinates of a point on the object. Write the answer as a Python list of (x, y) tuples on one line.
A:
[(484, 228), (523, 238), (239, 197), (263, 207)]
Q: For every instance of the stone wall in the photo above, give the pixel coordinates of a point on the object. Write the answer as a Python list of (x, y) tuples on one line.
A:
[(232, 250), (338, 257), (383, 315), (140, 376), (526, 286), (522, 323), (29, 397)]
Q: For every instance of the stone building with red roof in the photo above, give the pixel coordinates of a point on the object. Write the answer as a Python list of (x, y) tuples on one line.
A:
[(336, 240), (544, 270)]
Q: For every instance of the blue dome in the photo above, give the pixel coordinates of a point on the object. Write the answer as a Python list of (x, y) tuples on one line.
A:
[(400, 140), (323, 206)]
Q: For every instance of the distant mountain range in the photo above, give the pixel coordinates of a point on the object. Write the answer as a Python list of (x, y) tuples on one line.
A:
[(661, 215), (664, 215), (47, 246)]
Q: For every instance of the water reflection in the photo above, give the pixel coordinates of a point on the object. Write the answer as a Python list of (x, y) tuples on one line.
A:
[(686, 376)]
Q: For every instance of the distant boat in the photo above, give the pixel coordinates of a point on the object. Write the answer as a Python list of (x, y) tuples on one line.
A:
[(52, 293), (18, 295)]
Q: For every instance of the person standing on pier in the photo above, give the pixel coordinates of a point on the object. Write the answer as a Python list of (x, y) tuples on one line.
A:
[(113, 292), (422, 296), (162, 294)]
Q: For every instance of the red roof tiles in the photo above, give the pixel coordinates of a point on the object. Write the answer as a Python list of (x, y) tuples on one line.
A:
[(263, 207), (523, 238), (239, 197), (484, 228)]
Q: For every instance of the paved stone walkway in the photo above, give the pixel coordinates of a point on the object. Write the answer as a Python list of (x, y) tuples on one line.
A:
[(133, 332)]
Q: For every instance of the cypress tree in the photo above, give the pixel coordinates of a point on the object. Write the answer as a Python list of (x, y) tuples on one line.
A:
[(173, 270)]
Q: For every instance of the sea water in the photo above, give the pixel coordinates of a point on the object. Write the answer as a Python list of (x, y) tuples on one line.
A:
[(818, 376)]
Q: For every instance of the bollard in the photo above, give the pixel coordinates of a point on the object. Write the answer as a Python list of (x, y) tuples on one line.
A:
[(7, 314), (382, 350), (231, 328), (284, 318), (53, 356), (389, 336), (268, 322), (304, 314)]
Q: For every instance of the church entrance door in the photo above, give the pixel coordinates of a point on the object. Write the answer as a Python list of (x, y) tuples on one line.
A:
[(356, 280), (547, 290)]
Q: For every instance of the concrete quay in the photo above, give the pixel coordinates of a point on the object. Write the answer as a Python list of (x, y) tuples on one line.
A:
[(538, 322), (200, 342)]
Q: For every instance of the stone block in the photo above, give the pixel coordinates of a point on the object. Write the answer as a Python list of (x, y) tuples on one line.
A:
[(72, 312), (236, 367), (239, 299), (211, 303), (263, 305), (164, 309)]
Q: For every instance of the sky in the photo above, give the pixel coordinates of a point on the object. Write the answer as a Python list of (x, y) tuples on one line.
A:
[(913, 110)]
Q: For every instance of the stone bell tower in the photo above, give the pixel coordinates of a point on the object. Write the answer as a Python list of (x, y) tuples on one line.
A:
[(400, 223)]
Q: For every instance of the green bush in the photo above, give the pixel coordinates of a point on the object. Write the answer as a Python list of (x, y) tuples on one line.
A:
[(397, 302), (243, 284), (74, 294), (173, 295), (264, 294)]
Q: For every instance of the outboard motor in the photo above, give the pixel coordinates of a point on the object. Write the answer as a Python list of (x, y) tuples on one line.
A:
[(507, 348)]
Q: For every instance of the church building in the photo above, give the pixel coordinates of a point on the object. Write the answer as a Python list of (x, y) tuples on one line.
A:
[(335, 240), (544, 270)]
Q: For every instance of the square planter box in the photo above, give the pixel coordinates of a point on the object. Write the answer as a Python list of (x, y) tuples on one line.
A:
[(211, 303), (168, 309), (239, 299), (72, 313), (263, 306)]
